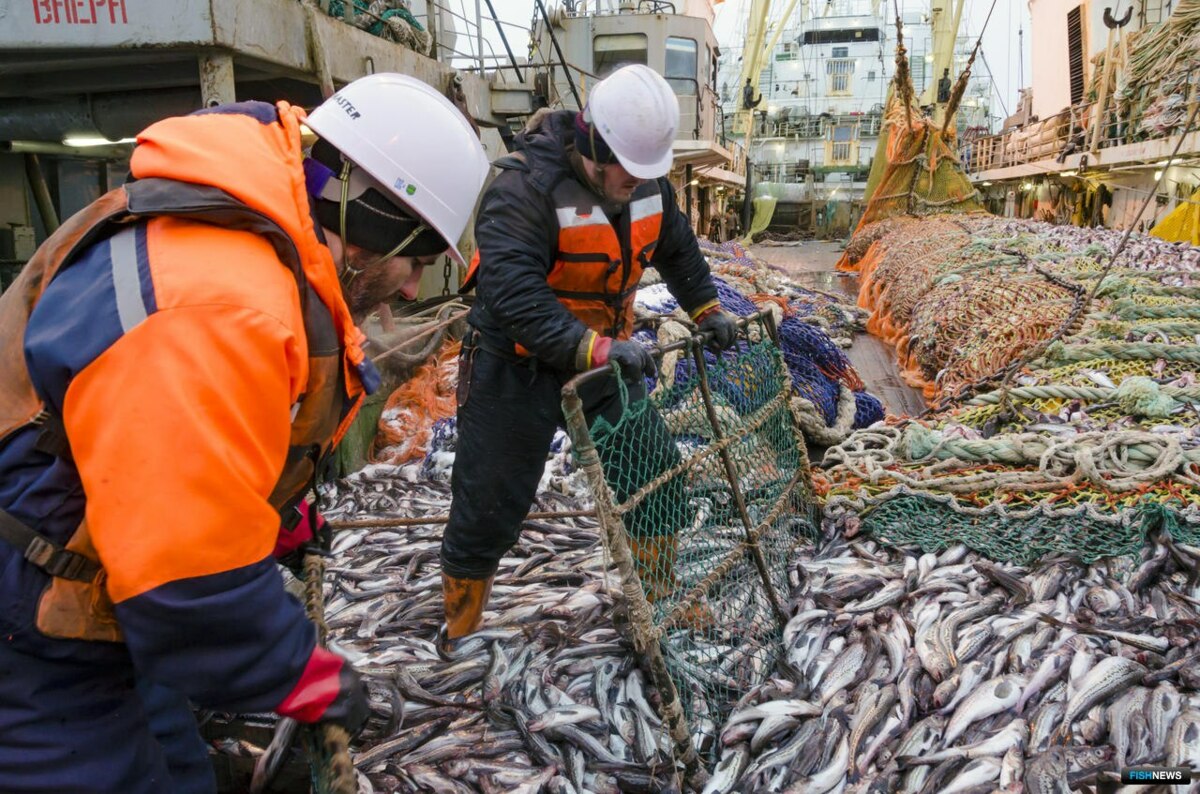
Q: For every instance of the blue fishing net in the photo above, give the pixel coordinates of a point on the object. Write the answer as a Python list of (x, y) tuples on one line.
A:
[(733, 301), (867, 409), (816, 363)]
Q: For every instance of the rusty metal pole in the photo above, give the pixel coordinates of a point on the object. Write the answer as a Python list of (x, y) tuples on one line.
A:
[(316, 49), (641, 617), (731, 474)]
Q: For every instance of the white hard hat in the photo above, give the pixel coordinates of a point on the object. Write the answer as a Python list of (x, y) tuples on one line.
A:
[(636, 113), (414, 142)]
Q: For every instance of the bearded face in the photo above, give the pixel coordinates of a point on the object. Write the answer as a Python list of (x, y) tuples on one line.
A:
[(369, 281)]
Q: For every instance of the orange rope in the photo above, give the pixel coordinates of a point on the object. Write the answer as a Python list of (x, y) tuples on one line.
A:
[(411, 411)]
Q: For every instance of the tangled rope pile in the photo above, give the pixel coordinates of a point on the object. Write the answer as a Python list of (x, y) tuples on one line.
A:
[(1062, 378), (1084, 448), (1153, 91)]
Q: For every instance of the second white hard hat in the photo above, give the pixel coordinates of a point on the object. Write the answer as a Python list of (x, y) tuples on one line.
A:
[(415, 144), (636, 113)]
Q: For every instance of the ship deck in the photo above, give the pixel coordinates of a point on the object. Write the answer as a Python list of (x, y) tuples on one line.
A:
[(812, 264)]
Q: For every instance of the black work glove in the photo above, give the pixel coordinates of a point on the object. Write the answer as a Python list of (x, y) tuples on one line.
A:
[(722, 327), (351, 707), (635, 361)]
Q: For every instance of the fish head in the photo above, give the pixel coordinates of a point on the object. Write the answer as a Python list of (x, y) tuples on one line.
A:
[(1089, 757)]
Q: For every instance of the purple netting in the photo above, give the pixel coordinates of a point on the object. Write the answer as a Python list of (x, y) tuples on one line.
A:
[(444, 439), (867, 409), (732, 300), (798, 338), (814, 386)]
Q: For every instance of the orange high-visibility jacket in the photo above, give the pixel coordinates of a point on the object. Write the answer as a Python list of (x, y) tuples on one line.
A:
[(189, 332)]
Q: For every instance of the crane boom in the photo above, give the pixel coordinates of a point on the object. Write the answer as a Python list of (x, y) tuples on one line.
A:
[(752, 57), (947, 15)]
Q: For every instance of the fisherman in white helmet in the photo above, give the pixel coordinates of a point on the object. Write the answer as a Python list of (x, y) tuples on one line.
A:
[(564, 233), (175, 364)]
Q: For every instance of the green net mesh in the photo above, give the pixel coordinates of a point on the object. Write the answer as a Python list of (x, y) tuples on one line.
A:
[(1082, 532), (710, 480), (1065, 425)]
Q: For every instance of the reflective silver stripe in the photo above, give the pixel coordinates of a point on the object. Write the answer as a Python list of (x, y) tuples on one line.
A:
[(645, 207), (123, 252), (569, 218)]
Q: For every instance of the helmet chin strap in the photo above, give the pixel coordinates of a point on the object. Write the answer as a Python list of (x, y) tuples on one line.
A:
[(598, 181), (348, 274)]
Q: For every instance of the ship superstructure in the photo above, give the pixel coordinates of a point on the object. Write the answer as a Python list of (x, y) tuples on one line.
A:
[(820, 99), (585, 42)]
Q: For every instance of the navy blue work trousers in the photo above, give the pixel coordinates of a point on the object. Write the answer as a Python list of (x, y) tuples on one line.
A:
[(505, 427)]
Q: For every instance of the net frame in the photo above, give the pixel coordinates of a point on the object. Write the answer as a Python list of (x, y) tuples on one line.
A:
[(647, 625)]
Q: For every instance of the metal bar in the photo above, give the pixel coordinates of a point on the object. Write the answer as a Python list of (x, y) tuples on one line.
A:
[(599, 372), (41, 192), (114, 152), (687, 192), (503, 38), (217, 86), (558, 49), (640, 617), (731, 472), (370, 523)]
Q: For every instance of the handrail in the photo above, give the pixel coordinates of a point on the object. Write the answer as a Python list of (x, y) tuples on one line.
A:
[(1063, 134)]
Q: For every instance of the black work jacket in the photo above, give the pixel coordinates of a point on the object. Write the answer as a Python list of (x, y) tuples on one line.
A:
[(516, 230)]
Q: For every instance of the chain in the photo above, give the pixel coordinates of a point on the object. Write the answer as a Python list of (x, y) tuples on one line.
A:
[(446, 276)]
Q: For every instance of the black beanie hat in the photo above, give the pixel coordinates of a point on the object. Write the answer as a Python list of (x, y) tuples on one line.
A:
[(373, 221), (589, 143)]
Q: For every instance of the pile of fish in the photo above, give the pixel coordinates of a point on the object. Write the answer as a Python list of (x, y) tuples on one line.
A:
[(546, 697), (898, 672), (949, 673)]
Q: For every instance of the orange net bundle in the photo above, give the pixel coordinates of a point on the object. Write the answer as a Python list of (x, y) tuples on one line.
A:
[(406, 425)]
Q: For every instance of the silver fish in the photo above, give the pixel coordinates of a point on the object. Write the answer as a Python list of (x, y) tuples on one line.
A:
[(1107, 679), (992, 697)]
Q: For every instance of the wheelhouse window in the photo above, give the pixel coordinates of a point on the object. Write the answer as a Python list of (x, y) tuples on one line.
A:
[(610, 53), (681, 65), (840, 71), (842, 149)]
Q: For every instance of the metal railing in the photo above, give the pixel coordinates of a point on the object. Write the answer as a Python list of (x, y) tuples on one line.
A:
[(799, 127), (798, 171), (1072, 132)]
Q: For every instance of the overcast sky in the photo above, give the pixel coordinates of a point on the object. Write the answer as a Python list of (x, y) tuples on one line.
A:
[(1000, 42)]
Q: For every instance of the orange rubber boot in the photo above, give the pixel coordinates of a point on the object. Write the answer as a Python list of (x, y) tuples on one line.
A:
[(463, 601), (655, 556)]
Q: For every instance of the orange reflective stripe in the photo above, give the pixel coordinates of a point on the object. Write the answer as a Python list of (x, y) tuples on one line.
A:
[(181, 428), (644, 208)]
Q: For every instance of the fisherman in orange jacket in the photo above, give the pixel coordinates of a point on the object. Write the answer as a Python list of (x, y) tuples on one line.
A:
[(177, 361), (564, 234)]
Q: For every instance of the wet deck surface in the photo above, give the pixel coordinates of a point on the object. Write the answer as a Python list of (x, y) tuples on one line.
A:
[(811, 264)]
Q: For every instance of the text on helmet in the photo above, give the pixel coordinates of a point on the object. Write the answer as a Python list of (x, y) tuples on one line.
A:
[(347, 105)]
